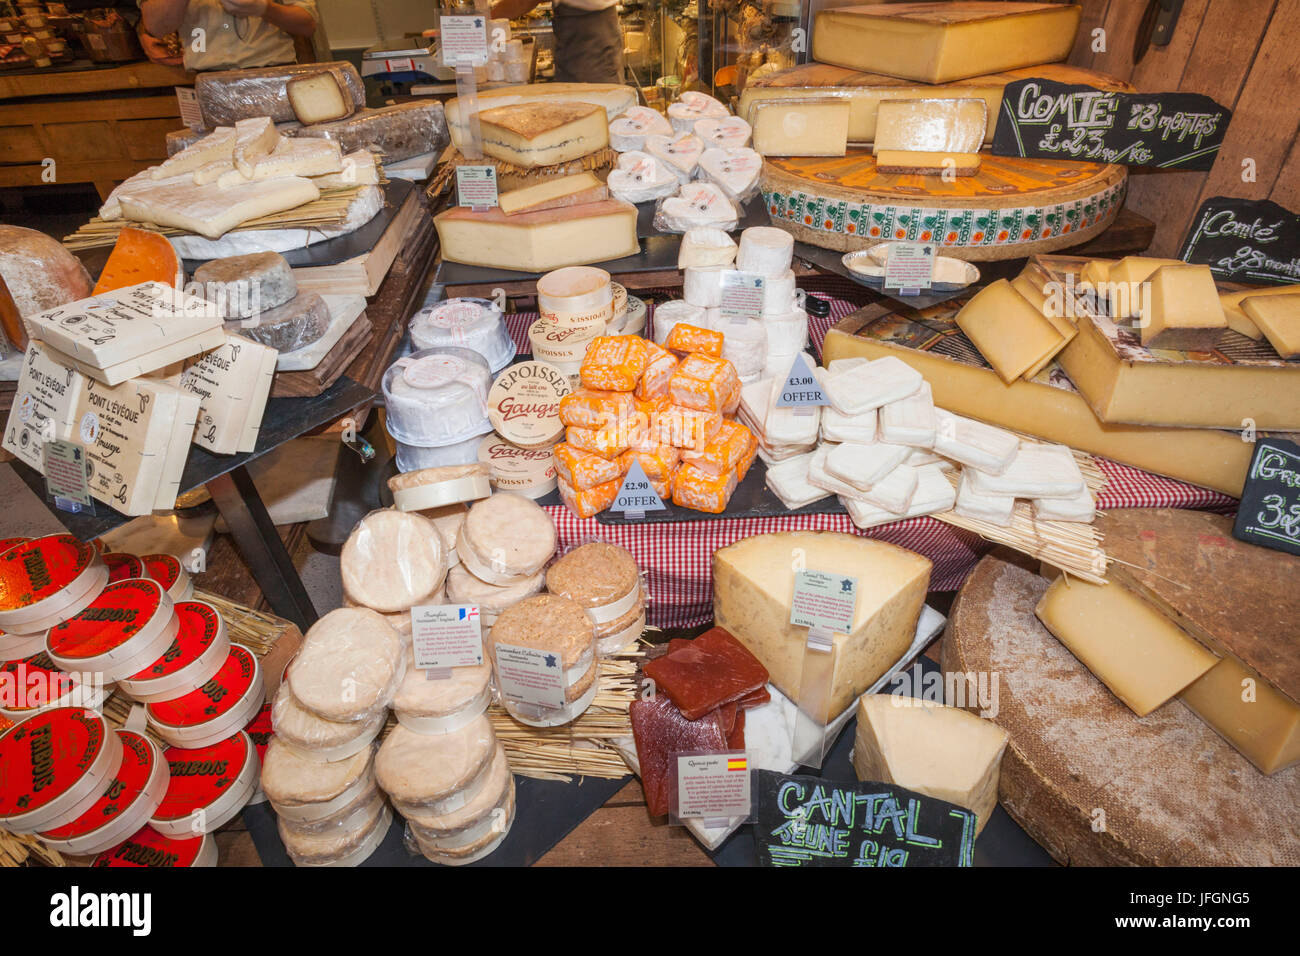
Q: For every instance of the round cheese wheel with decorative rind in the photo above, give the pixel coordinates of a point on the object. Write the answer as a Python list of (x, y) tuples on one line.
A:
[(248, 284), (293, 780), (424, 769), (392, 561), (513, 534), (349, 664)]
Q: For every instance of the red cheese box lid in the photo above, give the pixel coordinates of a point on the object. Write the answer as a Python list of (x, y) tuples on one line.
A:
[(259, 730), (128, 620), (199, 628), (134, 792), (7, 543), (39, 571), (206, 779), (163, 568), (238, 677), (123, 567), (31, 683), (149, 848), (50, 762)]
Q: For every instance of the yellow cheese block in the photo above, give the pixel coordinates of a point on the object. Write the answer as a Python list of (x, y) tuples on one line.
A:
[(1052, 312), (1011, 334), (931, 126), (1181, 310), (1278, 318), (1247, 712), (1126, 278), (1096, 271), (910, 163), (572, 190), (813, 126), (538, 241), (1142, 656), (1238, 320), (543, 134), (942, 42), (753, 585), (940, 751)]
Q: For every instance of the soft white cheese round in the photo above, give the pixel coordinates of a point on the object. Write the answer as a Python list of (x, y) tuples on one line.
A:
[(475, 324), (392, 561), (437, 396), (350, 664), (765, 250)]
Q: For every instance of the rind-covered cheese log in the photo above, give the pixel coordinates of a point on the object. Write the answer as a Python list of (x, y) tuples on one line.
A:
[(227, 96), (700, 491), (298, 323), (247, 285), (659, 367), (606, 442), (693, 339), (684, 427), (595, 408), (704, 382), (320, 98), (396, 132), (583, 469), (724, 453), (614, 363)]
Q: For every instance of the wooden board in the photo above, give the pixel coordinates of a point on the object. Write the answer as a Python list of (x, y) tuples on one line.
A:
[(1012, 207), (1085, 777), (313, 381)]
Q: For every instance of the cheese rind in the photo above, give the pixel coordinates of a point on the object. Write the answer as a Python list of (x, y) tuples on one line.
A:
[(319, 98), (543, 134), (931, 126), (572, 190), (539, 241), (941, 42), (754, 585), (915, 163), (942, 752), (1142, 656), (614, 97)]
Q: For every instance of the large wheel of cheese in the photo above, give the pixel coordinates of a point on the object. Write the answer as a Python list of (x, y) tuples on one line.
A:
[(1011, 208), (1085, 777)]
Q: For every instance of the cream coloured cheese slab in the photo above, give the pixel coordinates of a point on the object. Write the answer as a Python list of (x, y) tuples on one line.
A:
[(543, 134), (44, 405), (232, 382), (614, 97), (931, 126)]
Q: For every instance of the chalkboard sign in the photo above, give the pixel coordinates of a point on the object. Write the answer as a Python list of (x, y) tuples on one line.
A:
[(1244, 240), (808, 821), (1051, 120), (1269, 513)]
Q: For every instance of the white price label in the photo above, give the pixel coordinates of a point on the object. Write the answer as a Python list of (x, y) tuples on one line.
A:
[(527, 675), (824, 601), (910, 265), (713, 786), (446, 635), (476, 186), (742, 295), (188, 101), (464, 40)]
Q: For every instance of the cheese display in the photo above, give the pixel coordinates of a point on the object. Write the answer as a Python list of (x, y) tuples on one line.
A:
[(524, 403), (313, 158), (246, 285), (319, 97), (442, 706), (139, 256), (393, 561), (753, 585), (1011, 334), (705, 246), (208, 786), (679, 154), (940, 751), (232, 383), (215, 711), (211, 210), (437, 397), (1234, 307), (942, 42), (539, 241), (475, 324), (604, 580), (350, 663), (505, 538), (729, 133), (543, 134), (41, 793), (435, 488), (44, 409), (691, 107), (640, 177)]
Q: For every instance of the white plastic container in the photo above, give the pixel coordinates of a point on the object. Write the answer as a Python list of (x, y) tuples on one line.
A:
[(438, 397), (474, 324)]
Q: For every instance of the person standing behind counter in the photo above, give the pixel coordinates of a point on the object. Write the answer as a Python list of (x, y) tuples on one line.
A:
[(588, 38), (236, 34)]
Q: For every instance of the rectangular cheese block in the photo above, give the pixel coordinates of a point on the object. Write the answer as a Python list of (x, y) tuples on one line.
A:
[(942, 752), (320, 98), (941, 42), (227, 96), (572, 190), (931, 126), (1249, 713), (813, 126), (864, 92), (1142, 656), (1236, 316), (1009, 332), (1125, 289), (394, 132), (753, 582), (292, 157), (908, 163), (539, 241), (1181, 310), (212, 211), (1054, 410), (543, 134), (44, 405), (614, 97), (232, 382), (1278, 318)]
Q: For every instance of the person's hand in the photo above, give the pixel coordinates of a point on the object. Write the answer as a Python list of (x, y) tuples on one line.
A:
[(245, 8)]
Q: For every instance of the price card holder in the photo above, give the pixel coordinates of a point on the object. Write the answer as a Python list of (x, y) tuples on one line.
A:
[(463, 46), (188, 101), (824, 603), (710, 786), (801, 391), (909, 267), (1269, 513), (476, 187), (637, 495), (446, 636), (742, 296), (66, 471)]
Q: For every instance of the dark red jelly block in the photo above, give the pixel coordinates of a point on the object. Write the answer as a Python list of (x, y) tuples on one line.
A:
[(660, 731), (736, 735), (757, 699), (712, 670)]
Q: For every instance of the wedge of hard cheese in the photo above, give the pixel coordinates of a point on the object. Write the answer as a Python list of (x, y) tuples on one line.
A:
[(543, 134), (539, 241), (615, 98), (943, 752), (753, 583), (575, 190)]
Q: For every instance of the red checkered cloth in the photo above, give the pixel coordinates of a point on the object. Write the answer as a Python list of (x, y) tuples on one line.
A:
[(676, 556)]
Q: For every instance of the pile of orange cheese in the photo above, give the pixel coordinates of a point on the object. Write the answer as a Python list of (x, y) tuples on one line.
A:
[(667, 407)]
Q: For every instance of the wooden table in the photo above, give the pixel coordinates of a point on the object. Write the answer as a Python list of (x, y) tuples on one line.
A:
[(102, 125)]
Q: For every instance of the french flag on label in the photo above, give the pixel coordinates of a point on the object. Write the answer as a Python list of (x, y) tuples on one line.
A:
[(468, 614)]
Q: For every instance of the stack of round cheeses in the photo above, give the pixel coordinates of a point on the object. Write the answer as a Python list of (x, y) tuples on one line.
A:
[(44, 581), (605, 581), (394, 561), (475, 324), (560, 628), (524, 408), (576, 306), (437, 406), (503, 545), (454, 788), (525, 471)]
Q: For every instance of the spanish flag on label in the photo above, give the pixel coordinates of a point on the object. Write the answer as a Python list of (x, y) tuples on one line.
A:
[(737, 763)]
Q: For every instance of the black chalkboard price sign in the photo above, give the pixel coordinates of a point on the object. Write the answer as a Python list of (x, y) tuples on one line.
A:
[(1051, 120), (1269, 513), (808, 821), (1254, 241)]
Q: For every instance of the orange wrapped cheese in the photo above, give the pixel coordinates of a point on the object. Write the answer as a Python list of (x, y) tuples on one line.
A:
[(659, 367), (606, 442), (613, 362), (684, 427), (582, 469), (704, 382), (593, 408), (589, 502), (649, 406), (699, 491), (747, 459), (724, 453), (693, 339), (657, 460)]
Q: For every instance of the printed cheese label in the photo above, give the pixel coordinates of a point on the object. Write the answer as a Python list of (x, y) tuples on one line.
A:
[(201, 776), (528, 675), (524, 403), (198, 625), (126, 429), (226, 381), (220, 695), (150, 848), (824, 601), (40, 568), (43, 408), (446, 635), (138, 761), (113, 619), (46, 755)]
